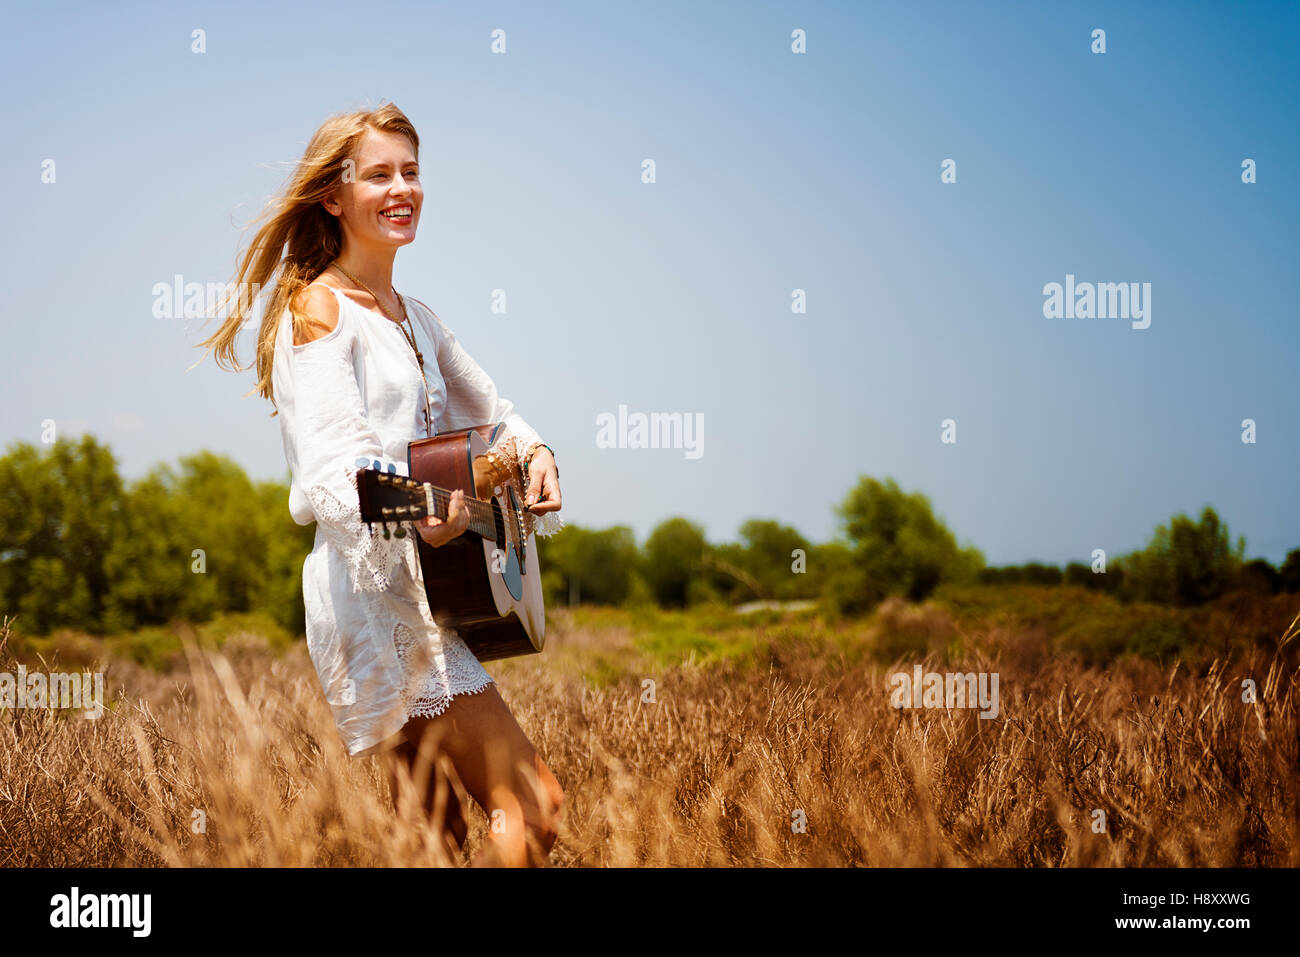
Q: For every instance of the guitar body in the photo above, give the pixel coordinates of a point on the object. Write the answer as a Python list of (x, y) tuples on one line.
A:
[(488, 590)]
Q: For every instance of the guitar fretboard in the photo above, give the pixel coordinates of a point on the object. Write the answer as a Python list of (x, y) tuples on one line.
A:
[(482, 515)]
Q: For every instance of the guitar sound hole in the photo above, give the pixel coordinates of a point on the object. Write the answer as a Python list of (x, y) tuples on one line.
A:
[(499, 520)]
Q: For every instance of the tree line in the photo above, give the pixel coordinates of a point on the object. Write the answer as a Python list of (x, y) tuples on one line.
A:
[(82, 548)]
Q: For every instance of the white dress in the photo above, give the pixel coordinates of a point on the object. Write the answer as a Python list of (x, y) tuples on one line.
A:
[(347, 400)]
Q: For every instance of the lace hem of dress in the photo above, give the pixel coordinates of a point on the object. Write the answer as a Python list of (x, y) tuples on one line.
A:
[(433, 679), (371, 558), (432, 707)]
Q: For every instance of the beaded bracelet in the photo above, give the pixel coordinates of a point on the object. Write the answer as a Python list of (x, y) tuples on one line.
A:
[(533, 451)]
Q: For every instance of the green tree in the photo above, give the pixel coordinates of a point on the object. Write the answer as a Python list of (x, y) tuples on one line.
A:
[(79, 549), (898, 545), (761, 564), (727, 569), (672, 561), (1290, 572), (286, 544), (198, 543), (1185, 562), (589, 565), (1258, 575), (147, 563), (770, 556), (60, 512)]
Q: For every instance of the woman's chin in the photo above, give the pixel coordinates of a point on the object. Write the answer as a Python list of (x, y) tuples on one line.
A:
[(399, 237)]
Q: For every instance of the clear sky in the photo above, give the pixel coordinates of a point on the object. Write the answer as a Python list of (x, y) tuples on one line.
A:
[(775, 172)]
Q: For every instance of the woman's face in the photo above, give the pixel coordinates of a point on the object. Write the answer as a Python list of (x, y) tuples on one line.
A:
[(378, 202)]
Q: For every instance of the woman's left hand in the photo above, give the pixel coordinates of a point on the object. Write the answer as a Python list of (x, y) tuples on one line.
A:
[(543, 483)]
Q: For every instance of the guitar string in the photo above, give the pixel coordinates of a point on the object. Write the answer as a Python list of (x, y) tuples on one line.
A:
[(442, 496)]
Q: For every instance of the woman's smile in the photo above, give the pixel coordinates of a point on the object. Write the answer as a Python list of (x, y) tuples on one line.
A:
[(399, 214)]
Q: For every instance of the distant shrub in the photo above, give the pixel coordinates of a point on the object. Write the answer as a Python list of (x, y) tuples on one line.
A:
[(901, 630)]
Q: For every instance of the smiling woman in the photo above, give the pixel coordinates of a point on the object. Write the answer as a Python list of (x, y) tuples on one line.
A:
[(339, 355)]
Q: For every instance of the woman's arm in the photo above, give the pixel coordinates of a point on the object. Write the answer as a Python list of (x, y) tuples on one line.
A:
[(473, 399), (334, 438)]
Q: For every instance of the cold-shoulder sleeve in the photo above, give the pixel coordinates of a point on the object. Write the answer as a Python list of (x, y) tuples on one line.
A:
[(335, 441), (473, 399)]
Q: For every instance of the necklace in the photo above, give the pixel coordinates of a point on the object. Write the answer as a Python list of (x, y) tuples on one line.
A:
[(408, 336)]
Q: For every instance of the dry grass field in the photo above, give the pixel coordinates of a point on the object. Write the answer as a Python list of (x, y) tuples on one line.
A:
[(228, 756)]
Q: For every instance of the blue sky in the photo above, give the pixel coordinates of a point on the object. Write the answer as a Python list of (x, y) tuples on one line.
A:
[(775, 172)]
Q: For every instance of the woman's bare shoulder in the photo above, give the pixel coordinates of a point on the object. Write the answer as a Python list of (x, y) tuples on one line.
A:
[(316, 313)]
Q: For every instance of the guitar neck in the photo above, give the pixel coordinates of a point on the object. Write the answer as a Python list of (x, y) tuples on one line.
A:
[(482, 517), (386, 497)]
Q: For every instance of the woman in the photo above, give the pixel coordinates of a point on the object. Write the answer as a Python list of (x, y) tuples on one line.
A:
[(344, 358)]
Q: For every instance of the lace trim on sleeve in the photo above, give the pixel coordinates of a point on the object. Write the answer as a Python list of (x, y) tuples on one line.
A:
[(522, 444), (372, 560), (547, 524)]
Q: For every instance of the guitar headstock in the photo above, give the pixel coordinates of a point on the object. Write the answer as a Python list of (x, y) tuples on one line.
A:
[(387, 497)]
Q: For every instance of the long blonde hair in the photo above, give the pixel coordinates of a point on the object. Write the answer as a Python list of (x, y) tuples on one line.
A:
[(300, 237)]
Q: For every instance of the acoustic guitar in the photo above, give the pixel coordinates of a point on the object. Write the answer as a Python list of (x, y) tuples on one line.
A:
[(485, 584)]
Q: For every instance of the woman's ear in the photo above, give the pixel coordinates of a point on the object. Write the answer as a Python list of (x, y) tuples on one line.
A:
[(332, 204)]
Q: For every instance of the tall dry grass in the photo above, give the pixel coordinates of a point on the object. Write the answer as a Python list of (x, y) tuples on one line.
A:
[(233, 760)]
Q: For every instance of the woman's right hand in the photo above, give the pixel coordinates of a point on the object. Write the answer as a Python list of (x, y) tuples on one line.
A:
[(437, 532)]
